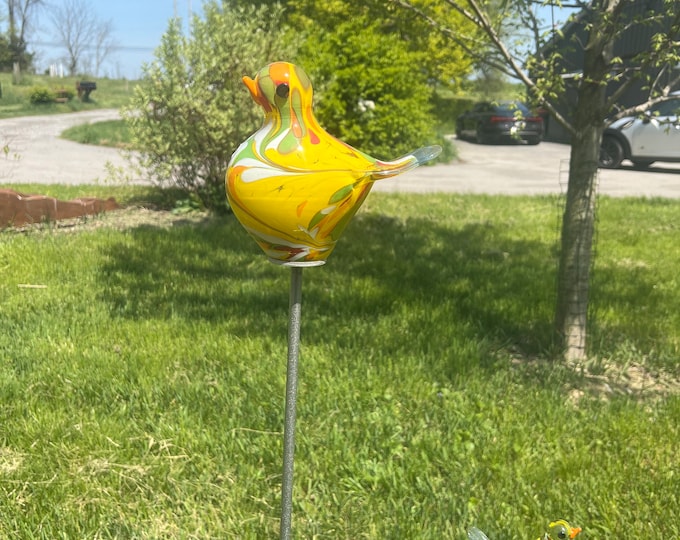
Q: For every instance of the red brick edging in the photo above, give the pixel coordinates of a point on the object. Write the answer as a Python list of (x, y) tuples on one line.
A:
[(17, 209)]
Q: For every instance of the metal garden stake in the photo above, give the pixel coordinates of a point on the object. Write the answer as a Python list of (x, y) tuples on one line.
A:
[(294, 187)]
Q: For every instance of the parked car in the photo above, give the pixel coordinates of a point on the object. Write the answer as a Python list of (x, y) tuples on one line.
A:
[(655, 136), (497, 121)]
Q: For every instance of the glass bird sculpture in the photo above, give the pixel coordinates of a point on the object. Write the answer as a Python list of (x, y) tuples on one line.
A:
[(560, 530), (557, 530), (293, 186)]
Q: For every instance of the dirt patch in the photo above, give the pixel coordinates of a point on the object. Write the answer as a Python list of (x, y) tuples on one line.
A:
[(605, 380)]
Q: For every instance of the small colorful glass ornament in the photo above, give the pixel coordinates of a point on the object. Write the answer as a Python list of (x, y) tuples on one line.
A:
[(557, 530), (293, 186), (561, 530)]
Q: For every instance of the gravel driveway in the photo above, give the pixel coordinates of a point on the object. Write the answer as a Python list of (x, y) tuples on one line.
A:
[(496, 169)]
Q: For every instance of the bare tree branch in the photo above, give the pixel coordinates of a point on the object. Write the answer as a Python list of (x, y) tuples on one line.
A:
[(78, 29), (598, 28), (104, 44), (506, 63), (471, 45)]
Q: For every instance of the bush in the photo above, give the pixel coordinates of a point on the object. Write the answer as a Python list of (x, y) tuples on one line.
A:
[(65, 93), (448, 108), (191, 110), (371, 95), (39, 95)]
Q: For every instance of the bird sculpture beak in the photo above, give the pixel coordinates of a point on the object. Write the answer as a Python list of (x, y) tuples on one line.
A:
[(574, 532), (252, 86)]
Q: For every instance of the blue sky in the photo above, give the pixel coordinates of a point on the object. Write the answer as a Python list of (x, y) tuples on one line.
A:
[(137, 27)]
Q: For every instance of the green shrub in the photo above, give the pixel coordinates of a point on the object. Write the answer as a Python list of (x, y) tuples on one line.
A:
[(370, 96), (39, 95), (448, 108), (15, 101), (191, 110), (65, 93)]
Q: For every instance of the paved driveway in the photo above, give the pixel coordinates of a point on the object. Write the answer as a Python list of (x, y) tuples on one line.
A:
[(37, 154), (506, 169), (522, 170)]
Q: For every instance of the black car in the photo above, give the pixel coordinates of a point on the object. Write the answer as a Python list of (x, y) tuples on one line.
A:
[(490, 121)]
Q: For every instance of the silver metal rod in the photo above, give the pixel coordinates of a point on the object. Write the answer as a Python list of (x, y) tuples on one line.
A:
[(291, 399)]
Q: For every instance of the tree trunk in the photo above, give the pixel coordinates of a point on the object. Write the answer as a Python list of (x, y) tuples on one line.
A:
[(578, 223), (578, 226)]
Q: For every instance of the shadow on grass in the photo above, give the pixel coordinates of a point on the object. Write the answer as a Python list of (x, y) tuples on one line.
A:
[(633, 309), (501, 286), (194, 272), (416, 279), (393, 287)]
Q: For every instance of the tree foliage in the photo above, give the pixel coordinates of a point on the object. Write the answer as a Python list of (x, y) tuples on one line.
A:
[(374, 73), (191, 110), (436, 58), (20, 16), (6, 58), (371, 94)]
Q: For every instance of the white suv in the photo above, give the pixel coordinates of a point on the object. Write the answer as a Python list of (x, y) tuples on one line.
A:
[(654, 137)]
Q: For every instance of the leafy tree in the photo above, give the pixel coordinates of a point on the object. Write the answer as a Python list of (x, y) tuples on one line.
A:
[(5, 54), (191, 110), (436, 58), (20, 17), (604, 79), (369, 95), (374, 71)]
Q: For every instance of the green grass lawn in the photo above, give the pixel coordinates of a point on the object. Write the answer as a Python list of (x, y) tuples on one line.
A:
[(106, 133), (15, 100), (142, 374)]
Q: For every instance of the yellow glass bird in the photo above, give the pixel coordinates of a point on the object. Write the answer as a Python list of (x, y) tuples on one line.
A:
[(557, 530), (293, 186), (560, 530)]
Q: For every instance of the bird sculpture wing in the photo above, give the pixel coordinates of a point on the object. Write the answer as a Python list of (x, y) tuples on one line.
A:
[(300, 211)]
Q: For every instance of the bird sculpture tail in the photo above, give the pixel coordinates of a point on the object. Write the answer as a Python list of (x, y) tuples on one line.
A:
[(407, 162)]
